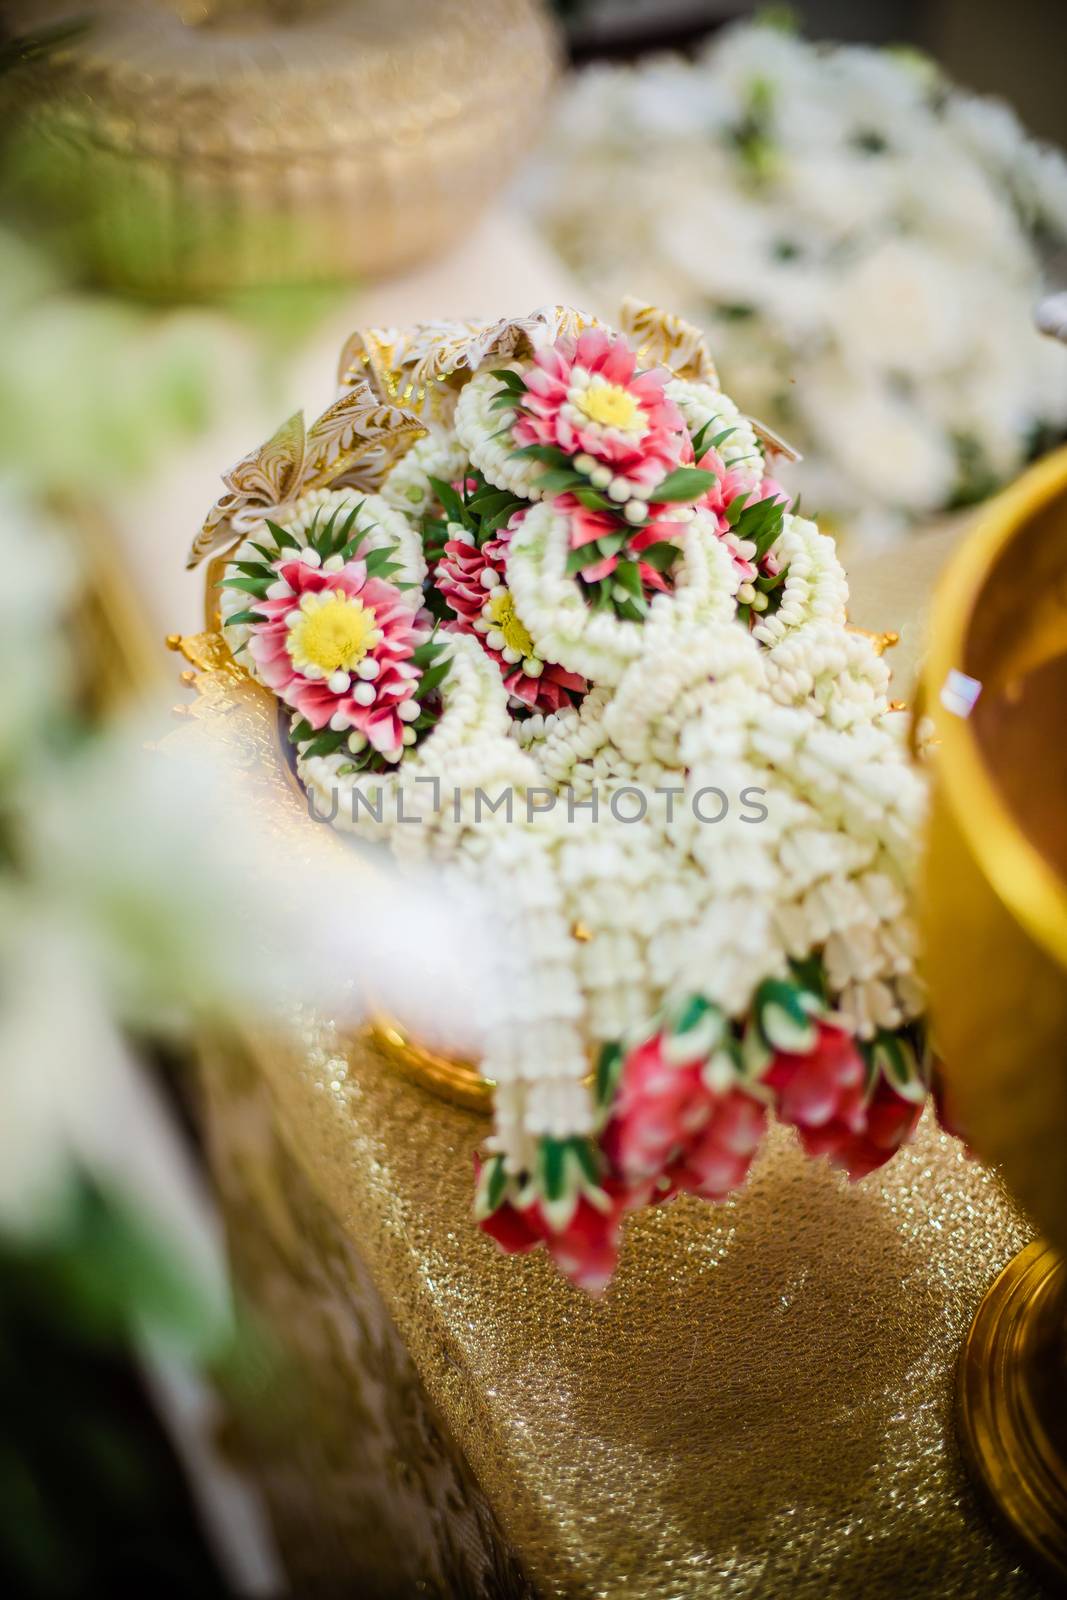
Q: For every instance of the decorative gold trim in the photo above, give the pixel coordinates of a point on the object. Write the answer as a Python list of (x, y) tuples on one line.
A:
[(1010, 1401), (450, 1077), (880, 642)]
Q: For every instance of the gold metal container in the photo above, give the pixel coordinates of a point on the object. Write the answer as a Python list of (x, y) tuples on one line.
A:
[(201, 145), (995, 912)]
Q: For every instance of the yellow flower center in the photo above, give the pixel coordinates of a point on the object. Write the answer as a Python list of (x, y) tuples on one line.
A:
[(333, 632), (609, 405), (502, 615)]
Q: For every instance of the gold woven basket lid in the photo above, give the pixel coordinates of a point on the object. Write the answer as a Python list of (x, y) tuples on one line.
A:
[(221, 144)]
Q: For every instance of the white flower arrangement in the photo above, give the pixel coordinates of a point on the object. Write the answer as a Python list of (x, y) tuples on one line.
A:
[(603, 671), (861, 240)]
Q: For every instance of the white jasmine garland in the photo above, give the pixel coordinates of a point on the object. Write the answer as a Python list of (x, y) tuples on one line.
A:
[(703, 406), (815, 588), (837, 673), (598, 644), (439, 455), (486, 437)]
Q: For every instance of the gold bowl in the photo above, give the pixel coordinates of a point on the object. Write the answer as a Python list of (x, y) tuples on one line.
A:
[(995, 894), (995, 931)]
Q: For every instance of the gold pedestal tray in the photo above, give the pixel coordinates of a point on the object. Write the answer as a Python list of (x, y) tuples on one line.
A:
[(1013, 1401)]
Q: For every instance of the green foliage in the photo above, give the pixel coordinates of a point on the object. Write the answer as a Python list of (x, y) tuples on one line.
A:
[(759, 521), (784, 1012), (684, 483), (702, 443), (482, 511)]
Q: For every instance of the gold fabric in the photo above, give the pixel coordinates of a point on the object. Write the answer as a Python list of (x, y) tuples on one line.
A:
[(760, 1406), (762, 1403)]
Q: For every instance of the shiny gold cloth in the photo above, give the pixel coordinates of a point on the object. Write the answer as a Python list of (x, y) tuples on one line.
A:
[(760, 1406)]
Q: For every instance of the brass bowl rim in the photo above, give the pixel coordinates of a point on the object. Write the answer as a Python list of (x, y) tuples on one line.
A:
[(1027, 883)]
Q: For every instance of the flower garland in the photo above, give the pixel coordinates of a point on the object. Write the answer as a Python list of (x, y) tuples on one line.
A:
[(863, 241), (583, 643)]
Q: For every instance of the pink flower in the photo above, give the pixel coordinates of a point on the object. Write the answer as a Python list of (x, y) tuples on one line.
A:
[(717, 1162), (587, 396), (473, 583), (668, 1124), (587, 527), (720, 496), (337, 648), (824, 1095), (586, 1250), (891, 1122)]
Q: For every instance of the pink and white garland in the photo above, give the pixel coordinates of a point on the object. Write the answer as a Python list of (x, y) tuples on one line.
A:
[(583, 582)]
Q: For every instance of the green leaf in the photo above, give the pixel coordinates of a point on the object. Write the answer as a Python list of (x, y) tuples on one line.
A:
[(608, 1071), (784, 1012), (381, 560), (694, 1029), (690, 1014), (550, 1159), (256, 586), (585, 1155), (583, 556), (346, 528), (269, 556), (492, 1187), (593, 500), (424, 654), (894, 1056), (281, 536), (559, 480), (627, 576), (498, 520), (811, 976), (701, 442), (512, 380), (432, 678), (488, 501), (244, 619), (660, 556), (325, 744), (550, 454), (684, 483), (609, 544), (450, 501), (767, 584), (736, 507), (302, 730), (756, 1054), (631, 611)]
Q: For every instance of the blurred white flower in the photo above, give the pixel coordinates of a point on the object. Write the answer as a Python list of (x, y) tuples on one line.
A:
[(864, 243), (196, 896), (35, 665)]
